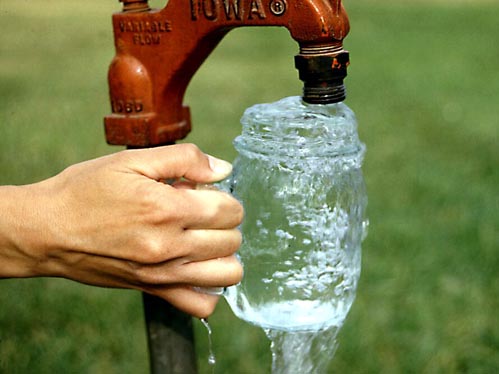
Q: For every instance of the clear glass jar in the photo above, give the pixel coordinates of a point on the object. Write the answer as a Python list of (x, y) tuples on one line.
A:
[(298, 175)]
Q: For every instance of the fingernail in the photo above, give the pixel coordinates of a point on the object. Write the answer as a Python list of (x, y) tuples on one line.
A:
[(220, 167)]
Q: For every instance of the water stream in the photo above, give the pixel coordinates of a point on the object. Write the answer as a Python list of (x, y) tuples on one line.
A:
[(296, 352)]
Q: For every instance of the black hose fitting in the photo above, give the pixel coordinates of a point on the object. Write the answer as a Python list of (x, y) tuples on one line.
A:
[(323, 76)]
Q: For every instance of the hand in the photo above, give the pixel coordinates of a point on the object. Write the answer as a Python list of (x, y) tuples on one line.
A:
[(113, 222)]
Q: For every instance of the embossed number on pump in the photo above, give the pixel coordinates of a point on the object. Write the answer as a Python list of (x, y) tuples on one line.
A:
[(126, 106)]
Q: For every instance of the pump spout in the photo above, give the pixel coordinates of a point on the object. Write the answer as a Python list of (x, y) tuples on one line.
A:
[(158, 52)]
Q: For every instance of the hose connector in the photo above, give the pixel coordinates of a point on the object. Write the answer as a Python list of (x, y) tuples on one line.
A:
[(322, 70)]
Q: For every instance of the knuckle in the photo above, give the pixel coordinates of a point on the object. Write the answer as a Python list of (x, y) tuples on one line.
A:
[(236, 240), (151, 251), (237, 275), (229, 207), (191, 151), (156, 211), (235, 215), (214, 211), (238, 213), (234, 271)]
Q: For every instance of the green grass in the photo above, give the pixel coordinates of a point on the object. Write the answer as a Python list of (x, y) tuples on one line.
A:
[(424, 83)]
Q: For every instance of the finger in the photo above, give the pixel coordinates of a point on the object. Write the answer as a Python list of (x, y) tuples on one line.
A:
[(202, 245), (119, 274), (171, 281), (178, 161), (220, 272), (188, 300), (206, 209), (111, 272)]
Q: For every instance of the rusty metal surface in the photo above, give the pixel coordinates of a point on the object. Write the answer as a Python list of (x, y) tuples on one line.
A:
[(158, 52)]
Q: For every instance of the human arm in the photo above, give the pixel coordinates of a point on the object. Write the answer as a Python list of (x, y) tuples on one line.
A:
[(112, 222)]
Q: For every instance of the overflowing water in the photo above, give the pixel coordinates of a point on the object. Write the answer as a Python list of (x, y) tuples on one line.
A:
[(298, 176)]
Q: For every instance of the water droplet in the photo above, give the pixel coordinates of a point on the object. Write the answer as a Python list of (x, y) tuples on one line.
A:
[(365, 228), (211, 355), (211, 359)]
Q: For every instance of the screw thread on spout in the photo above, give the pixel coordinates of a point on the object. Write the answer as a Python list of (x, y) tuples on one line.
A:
[(322, 70), (324, 93)]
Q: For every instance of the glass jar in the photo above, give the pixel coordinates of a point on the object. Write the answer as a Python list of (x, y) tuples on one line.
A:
[(298, 175)]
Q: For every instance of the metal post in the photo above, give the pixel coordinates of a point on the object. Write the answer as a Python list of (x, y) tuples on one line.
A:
[(170, 338)]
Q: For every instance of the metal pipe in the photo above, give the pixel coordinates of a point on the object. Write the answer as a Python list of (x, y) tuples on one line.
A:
[(170, 338)]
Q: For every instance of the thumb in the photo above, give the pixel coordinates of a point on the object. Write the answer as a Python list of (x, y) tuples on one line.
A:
[(178, 161)]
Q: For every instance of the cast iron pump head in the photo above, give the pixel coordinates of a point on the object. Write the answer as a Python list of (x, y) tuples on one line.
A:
[(158, 52)]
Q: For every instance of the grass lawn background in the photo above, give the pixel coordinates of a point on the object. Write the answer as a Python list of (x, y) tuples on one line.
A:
[(424, 83)]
